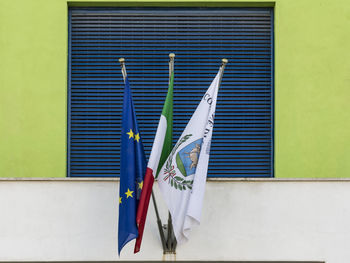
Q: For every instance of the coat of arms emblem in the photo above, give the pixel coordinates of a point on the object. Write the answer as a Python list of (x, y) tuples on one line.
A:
[(187, 158), (186, 163)]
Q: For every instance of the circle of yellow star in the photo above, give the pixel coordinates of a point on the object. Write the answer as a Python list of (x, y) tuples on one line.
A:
[(137, 137), (129, 193), (140, 184), (130, 133)]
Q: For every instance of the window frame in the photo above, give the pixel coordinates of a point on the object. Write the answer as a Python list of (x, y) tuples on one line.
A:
[(272, 75)]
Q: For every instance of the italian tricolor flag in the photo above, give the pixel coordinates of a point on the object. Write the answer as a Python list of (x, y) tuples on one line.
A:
[(161, 149)]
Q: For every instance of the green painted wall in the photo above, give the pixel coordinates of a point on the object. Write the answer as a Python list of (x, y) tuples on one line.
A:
[(33, 73), (312, 85)]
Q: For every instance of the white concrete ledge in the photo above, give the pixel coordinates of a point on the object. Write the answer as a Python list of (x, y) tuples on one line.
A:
[(255, 219), (229, 179)]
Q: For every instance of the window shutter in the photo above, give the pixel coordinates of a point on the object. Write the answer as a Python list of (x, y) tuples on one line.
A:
[(242, 144)]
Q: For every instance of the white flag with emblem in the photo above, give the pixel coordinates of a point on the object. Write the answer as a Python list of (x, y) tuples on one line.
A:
[(183, 176)]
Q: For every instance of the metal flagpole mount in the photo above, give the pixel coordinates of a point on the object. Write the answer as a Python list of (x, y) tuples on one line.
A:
[(122, 64)]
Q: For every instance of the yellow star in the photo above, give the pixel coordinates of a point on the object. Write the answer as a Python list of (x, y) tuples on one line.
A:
[(129, 193), (130, 133), (140, 184), (137, 137), (120, 200)]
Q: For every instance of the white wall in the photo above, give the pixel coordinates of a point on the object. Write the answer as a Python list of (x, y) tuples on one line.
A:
[(242, 220)]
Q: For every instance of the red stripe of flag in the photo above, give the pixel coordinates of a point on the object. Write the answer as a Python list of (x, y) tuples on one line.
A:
[(143, 206)]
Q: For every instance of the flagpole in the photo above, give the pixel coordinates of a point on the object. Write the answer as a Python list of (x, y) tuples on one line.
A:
[(171, 240), (171, 64), (122, 64), (159, 222), (222, 68)]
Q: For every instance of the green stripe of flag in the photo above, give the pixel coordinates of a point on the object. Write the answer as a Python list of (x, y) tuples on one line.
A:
[(168, 114)]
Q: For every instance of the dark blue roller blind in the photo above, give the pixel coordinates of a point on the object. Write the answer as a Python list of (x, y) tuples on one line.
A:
[(242, 143)]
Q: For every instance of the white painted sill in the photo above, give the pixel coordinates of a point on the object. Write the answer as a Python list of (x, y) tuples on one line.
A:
[(107, 179)]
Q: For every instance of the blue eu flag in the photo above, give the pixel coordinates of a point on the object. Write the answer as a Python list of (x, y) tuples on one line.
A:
[(133, 167)]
